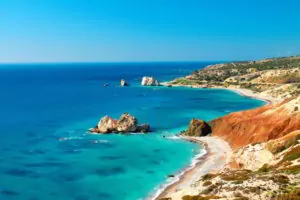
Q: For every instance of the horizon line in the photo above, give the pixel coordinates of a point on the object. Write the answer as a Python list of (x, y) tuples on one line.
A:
[(109, 62), (133, 62)]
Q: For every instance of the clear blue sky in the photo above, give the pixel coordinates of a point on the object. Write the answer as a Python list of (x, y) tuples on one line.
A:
[(147, 30)]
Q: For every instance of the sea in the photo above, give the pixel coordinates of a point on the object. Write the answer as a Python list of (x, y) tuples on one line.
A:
[(46, 110)]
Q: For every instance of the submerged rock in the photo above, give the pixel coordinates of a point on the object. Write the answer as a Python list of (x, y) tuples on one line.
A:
[(143, 128), (123, 83), (125, 124), (198, 127), (149, 81)]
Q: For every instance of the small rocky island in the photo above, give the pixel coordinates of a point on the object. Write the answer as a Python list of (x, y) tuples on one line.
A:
[(123, 83), (125, 124), (149, 81)]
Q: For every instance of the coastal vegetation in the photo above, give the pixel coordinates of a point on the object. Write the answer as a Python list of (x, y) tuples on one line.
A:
[(265, 163), (279, 77)]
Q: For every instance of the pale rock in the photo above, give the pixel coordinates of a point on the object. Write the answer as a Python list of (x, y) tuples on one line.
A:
[(149, 81)]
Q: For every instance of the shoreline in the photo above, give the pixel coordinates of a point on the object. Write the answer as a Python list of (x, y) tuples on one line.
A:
[(213, 160), (241, 91), (195, 161), (251, 94), (207, 162), (218, 153)]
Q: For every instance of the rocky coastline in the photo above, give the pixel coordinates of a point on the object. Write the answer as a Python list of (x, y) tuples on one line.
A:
[(251, 164), (264, 159)]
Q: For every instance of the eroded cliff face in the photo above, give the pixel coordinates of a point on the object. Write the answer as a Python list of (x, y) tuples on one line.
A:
[(259, 125)]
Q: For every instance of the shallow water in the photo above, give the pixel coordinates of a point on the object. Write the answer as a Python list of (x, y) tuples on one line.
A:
[(41, 103)]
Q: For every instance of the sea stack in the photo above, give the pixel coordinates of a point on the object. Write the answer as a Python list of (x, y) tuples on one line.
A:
[(123, 83), (125, 124), (149, 81)]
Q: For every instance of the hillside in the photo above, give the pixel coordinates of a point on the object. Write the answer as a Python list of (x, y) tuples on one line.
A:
[(277, 77), (265, 162), (259, 125)]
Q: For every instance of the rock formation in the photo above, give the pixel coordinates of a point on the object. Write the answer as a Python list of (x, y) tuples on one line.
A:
[(149, 81), (123, 83), (107, 125), (198, 128), (125, 124), (259, 125)]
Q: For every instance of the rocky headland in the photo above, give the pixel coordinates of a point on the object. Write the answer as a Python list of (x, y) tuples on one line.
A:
[(273, 79), (125, 124), (264, 160)]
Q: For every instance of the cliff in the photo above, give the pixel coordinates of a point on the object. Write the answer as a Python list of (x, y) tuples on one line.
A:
[(259, 125)]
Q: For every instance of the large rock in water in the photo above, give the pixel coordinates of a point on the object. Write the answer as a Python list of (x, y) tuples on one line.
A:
[(198, 127), (125, 124), (149, 81), (123, 83), (106, 125)]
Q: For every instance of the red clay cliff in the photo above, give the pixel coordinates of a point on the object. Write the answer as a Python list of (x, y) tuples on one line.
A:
[(259, 125)]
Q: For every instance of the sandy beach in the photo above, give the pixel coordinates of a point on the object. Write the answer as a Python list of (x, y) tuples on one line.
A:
[(218, 155), (242, 91), (251, 94)]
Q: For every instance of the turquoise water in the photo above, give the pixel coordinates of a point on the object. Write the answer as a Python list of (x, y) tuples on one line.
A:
[(42, 103)]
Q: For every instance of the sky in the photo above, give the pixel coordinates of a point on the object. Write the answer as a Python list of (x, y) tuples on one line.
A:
[(147, 30)]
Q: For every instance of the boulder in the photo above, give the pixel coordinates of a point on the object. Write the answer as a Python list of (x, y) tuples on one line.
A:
[(143, 128), (198, 127), (123, 83), (149, 81), (125, 124), (106, 125)]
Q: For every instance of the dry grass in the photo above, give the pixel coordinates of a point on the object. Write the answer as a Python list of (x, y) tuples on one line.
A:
[(292, 154), (239, 175), (200, 197)]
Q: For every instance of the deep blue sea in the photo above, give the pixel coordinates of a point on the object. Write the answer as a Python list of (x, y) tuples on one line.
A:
[(42, 103)]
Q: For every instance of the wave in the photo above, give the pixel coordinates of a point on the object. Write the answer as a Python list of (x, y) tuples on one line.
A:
[(174, 137), (170, 181)]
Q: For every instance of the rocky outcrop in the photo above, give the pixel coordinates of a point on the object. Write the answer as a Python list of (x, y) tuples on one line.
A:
[(143, 128), (149, 81), (259, 125), (198, 127), (106, 125), (125, 124), (252, 157), (123, 83)]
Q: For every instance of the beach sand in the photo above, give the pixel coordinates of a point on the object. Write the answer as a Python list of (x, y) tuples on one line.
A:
[(251, 94), (218, 155), (242, 91)]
